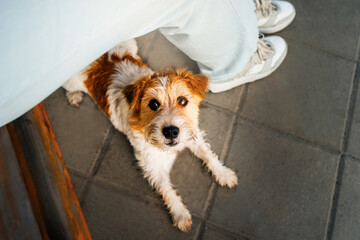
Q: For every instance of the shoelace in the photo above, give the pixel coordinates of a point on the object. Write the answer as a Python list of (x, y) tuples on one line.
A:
[(264, 51), (266, 7)]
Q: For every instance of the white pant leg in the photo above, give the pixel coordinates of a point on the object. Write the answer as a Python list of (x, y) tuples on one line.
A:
[(43, 43), (220, 35)]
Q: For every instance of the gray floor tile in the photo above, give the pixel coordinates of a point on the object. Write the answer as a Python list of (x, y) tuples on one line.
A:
[(228, 100), (333, 26), (347, 222), (217, 234), (216, 124), (79, 131), (285, 187), (111, 215), (119, 166), (191, 180), (144, 44), (354, 134), (162, 54), (307, 96), (77, 182)]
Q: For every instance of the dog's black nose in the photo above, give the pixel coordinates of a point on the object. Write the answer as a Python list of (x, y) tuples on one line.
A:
[(171, 132)]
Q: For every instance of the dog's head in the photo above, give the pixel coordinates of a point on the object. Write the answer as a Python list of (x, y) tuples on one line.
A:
[(164, 107)]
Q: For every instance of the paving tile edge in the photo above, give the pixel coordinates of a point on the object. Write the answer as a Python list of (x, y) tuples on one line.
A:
[(350, 108), (225, 150), (335, 199), (321, 49), (343, 147), (230, 231), (156, 201), (289, 135)]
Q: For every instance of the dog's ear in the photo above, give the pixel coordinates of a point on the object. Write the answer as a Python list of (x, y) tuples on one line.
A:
[(200, 84), (197, 83), (134, 92)]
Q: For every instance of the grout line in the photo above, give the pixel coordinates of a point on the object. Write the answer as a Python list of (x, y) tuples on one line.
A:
[(128, 192), (343, 147), (335, 199), (268, 127), (225, 229), (193, 215), (214, 187), (154, 198), (77, 173), (358, 51), (83, 191), (350, 108), (206, 211), (242, 99), (109, 133), (289, 136), (226, 110), (346, 154), (320, 49), (221, 109), (118, 189), (272, 129), (83, 176), (198, 230)]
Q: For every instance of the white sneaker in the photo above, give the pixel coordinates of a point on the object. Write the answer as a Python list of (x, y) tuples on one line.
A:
[(273, 16), (270, 54)]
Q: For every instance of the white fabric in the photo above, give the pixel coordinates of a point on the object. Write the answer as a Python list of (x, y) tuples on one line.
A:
[(43, 43)]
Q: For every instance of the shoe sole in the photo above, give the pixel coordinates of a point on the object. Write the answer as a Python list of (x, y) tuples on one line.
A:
[(225, 86), (278, 27)]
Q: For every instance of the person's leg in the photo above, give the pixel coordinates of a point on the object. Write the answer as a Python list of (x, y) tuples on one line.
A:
[(44, 43), (221, 36)]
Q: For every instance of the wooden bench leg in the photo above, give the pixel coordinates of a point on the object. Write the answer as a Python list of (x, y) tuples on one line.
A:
[(17, 219), (55, 204)]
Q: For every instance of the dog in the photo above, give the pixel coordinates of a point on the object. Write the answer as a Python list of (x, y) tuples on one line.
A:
[(158, 112)]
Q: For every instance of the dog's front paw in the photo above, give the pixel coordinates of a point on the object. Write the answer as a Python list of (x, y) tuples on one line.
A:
[(182, 220), (226, 177)]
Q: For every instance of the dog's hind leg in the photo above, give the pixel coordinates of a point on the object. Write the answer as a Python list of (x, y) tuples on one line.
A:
[(156, 166), (74, 88), (129, 46), (222, 174), (74, 98)]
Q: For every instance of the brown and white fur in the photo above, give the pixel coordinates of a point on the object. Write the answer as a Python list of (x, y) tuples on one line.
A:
[(125, 89)]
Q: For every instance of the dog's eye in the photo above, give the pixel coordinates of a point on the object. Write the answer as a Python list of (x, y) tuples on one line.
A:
[(182, 101), (154, 105)]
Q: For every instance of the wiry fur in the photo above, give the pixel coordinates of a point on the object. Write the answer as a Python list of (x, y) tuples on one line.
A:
[(122, 86)]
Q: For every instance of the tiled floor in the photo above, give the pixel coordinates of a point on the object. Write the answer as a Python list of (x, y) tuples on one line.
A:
[(293, 139)]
